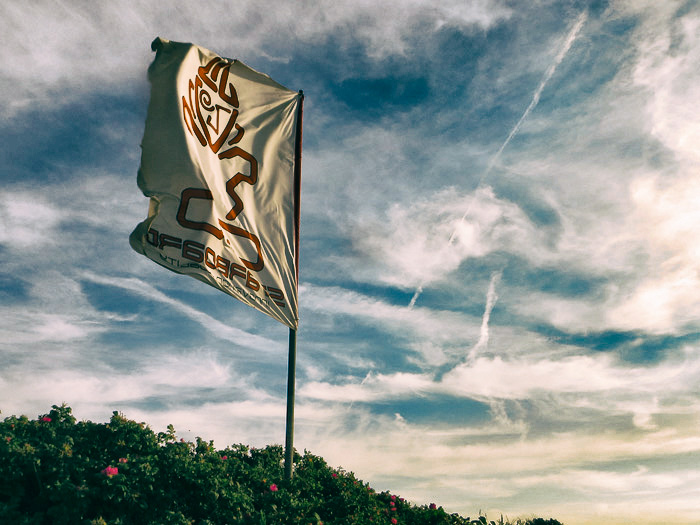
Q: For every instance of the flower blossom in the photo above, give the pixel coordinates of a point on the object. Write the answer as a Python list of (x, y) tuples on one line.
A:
[(273, 488), (433, 506), (123, 460), (394, 521), (46, 419), (110, 471)]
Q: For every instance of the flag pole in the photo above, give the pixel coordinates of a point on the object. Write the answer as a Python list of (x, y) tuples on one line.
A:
[(291, 366), (291, 379)]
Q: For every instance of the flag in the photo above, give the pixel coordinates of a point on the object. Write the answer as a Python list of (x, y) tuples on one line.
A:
[(219, 163)]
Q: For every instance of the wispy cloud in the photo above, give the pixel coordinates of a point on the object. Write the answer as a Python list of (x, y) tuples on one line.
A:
[(552, 357), (449, 464), (533, 103), (407, 246), (491, 298), (71, 41), (495, 377), (435, 337), (216, 328)]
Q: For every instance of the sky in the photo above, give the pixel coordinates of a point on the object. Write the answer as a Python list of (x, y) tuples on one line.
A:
[(500, 245)]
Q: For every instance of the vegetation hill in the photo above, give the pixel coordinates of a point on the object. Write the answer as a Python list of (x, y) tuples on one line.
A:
[(56, 470)]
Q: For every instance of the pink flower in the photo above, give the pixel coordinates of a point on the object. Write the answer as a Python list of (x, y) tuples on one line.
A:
[(46, 419), (273, 488), (433, 506), (392, 503), (123, 460), (110, 471), (334, 475), (394, 521), (393, 498), (224, 458)]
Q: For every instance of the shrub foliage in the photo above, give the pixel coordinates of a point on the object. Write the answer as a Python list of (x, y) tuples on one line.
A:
[(60, 471)]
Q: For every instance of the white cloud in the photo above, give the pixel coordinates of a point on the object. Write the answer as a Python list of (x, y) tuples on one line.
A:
[(53, 310), (47, 216), (640, 496), (55, 52), (595, 382), (669, 51), (386, 27), (491, 298), (410, 245), (524, 378), (668, 303), (519, 379), (666, 212), (629, 220), (615, 171), (98, 389), (374, 387), (425, 328), (27, 219), (481, 466), (214, 327), (58, 328)]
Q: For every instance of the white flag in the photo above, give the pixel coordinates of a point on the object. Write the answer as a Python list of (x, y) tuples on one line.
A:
[(218, 163)]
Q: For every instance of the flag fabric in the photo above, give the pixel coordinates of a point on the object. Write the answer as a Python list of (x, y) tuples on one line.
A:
[(218, 163)]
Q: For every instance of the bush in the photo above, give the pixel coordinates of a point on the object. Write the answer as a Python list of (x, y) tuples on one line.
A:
[(54, 470)]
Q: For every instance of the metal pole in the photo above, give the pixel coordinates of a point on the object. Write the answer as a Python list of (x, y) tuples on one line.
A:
[(291, 380), (292, 364)]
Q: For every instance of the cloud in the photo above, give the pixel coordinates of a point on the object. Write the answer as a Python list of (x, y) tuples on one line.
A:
[(69, 44), (409, 245), (384, 29), (162, 379), (487, 466), (632, 497), (27, 219), (541, 395), (434, 336), (39, 217), (524, 378), (669, 49), (563, 50), (665, 211), (579, 251), (491, 298), (214, 327), (53, 311)]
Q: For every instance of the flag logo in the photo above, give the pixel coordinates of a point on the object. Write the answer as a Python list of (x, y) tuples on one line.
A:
[(203, 114), (219, 102), (220, 165)]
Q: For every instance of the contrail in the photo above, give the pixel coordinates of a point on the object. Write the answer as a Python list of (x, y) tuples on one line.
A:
[(491, 298), (571, 37)]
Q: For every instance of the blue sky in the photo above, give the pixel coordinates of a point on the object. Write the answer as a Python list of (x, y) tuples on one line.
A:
[(499, 304)]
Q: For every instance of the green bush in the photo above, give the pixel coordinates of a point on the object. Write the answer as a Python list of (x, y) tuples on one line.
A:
[(55, 470)]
